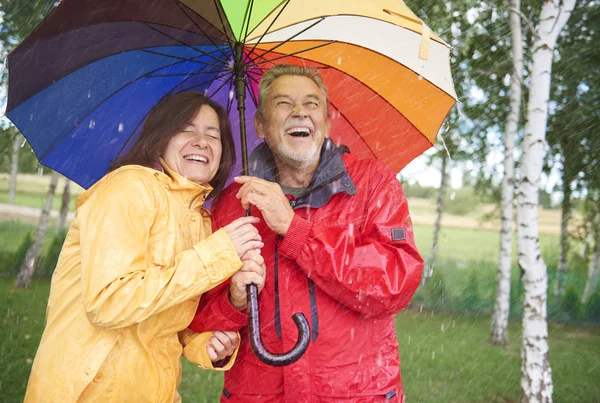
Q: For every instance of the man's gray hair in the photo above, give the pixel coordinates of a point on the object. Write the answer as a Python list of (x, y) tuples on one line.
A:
[(288, 70)]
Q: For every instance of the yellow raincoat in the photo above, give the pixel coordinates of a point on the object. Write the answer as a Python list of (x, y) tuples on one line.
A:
[(137, 258)]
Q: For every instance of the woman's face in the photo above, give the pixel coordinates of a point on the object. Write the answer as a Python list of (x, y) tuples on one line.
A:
[(195, 152)]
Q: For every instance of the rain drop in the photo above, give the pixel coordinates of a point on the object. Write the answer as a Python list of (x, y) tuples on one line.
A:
[(442, 328), (433, 355), (92, 123), (230, 95), (89, 93), (23, 143), (339, 60), (452, 195), (418, 373), (121, 127), (442, 348), (408, 340), (420, 77)]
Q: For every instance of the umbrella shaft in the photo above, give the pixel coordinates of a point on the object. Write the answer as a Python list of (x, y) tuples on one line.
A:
[(240, 93)]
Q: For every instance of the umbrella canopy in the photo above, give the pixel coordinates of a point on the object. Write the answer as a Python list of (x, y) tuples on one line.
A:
[(82, 83)]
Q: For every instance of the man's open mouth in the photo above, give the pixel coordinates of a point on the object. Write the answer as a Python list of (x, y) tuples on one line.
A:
[(299, 131)]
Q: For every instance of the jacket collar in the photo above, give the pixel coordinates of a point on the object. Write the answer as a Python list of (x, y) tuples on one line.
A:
[(190, 193), (331, 176)]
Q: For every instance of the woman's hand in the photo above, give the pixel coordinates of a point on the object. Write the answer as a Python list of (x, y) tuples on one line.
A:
[(244, 235), (222, 345), (253, 272)]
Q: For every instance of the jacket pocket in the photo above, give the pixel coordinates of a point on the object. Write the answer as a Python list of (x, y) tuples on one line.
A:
[(99, 352)]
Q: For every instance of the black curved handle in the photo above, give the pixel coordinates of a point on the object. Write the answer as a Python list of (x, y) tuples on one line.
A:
[(275, 360)]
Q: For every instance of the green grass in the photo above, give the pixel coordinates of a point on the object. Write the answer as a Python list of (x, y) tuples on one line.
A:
[(12, 234), (36, 200), (445, 357), (22, 316), (478, 245)]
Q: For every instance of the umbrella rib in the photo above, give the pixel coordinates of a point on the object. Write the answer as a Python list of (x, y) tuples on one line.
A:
[(355, 129), (268, 28), (249, 13), (223, 24), (295, 35), (185, 44), (293, 53), (198, 26), (43, 156), (221, 86), (217, 77), (183, 59), (229, 98), (251, 90), (189, 73)]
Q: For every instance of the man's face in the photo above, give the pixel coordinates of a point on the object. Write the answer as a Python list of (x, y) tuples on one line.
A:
[(294, 122)]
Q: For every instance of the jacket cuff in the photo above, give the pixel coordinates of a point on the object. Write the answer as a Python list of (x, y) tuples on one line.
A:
[(230, 312), (219, 256), (296, 238), (227, 363)]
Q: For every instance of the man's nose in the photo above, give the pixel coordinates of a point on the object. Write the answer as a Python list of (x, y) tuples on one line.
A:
[(300, 110)]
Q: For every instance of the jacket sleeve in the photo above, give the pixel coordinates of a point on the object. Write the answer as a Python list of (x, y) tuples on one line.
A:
[(370, 264), (194, 350), (215, 311), (122, 284)]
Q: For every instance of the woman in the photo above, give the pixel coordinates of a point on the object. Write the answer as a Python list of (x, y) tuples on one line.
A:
[(137, 258)]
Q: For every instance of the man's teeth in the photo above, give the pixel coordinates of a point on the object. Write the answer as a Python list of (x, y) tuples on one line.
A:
[(196, 158), (298, 131)]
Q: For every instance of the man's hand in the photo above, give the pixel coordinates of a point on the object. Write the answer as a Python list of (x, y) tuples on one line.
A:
[(269, 199), (252, 272), (222, 345)]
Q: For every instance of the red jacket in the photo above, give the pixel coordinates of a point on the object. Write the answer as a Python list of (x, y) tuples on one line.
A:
[(349, 263)]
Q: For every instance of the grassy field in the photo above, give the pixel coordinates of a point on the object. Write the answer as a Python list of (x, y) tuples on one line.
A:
[(445, 357), (31, 191)]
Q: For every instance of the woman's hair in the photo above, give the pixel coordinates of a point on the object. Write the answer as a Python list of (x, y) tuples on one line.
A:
[(168, 118)]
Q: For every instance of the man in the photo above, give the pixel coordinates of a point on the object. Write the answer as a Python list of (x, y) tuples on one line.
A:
[(338, 246)]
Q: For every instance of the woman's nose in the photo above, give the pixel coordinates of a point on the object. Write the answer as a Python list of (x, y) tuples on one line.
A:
[(200, 141)]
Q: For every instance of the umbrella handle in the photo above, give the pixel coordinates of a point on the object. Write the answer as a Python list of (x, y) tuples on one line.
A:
[(275, 360)]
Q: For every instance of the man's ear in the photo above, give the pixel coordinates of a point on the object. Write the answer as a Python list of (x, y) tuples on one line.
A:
[(258, 125)]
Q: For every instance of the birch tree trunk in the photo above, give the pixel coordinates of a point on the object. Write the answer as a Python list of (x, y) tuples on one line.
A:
[(499, 331), (14, 168), (64, 207), (438, 220), (536, 375), (33, 254), (564, 236), (594, 265)]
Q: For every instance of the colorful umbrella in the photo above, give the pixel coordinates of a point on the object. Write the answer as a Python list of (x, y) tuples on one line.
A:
[(81, 84)]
